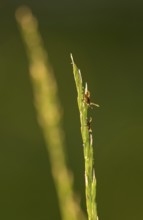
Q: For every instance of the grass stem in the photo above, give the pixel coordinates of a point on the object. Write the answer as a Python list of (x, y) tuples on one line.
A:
[(83, 100), (48, 112)]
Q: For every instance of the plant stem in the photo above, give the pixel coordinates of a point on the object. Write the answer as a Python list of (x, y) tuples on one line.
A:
[(48, 112), (83, 100)]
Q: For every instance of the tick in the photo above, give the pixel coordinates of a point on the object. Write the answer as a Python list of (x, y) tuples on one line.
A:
[(86, 98), (88, 123)]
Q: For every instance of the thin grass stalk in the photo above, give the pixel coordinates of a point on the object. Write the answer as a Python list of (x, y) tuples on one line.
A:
[(48, 112), (83, 100)]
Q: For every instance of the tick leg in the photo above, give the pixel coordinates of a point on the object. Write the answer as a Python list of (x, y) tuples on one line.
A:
[(94, 104)]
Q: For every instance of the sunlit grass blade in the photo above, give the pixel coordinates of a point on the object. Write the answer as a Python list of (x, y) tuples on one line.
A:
[(83, 99)]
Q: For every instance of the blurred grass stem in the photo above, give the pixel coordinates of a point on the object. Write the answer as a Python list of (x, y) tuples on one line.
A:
[(49, 112)]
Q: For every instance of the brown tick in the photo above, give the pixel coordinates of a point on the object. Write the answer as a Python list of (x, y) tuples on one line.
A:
[(89, 124), (86, 98)]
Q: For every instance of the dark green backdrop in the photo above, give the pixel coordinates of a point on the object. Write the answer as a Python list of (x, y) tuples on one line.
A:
[(106, 41)]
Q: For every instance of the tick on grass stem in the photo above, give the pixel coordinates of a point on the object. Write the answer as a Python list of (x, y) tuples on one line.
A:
[(86, 98), (89, 124)]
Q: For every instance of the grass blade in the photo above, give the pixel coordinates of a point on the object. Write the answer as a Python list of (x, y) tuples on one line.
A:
[(48, 112), (83, 99)]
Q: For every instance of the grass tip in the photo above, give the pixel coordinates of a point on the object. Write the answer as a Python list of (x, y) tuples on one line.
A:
[(72, 58)]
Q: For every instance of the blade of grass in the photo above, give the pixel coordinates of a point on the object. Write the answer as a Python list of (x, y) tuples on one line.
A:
[(83, 100), (48, 112)]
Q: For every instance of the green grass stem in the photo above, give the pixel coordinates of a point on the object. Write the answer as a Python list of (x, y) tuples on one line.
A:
[(83, 100), (48, 112)]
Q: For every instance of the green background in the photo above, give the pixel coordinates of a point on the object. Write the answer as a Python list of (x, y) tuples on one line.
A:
[(106, 39)]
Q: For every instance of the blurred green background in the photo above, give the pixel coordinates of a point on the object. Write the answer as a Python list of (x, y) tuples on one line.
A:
[(106, 39)]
